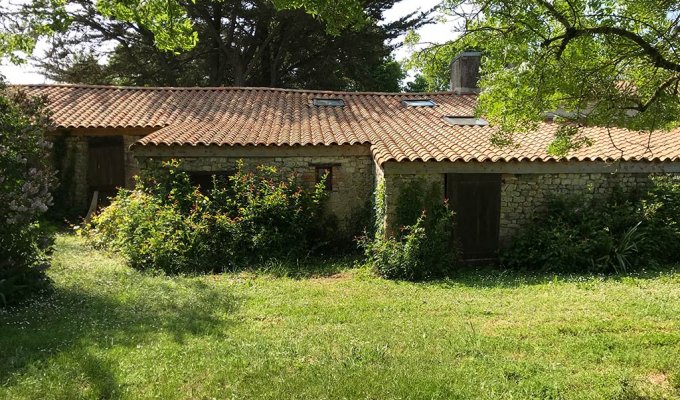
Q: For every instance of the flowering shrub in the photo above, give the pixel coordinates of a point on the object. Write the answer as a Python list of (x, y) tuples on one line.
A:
[(26, 183), (150, 234), (423, 248), (168, 224)]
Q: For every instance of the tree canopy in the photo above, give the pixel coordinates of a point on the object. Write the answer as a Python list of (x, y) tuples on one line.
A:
[(171, 23), (593, 62), (168, 21), (242, 43)]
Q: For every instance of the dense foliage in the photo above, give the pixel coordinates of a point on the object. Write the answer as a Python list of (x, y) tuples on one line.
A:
[(171, 23), (26, 182), (239, 43), (170, 225), (168, 22), (21, 30), (423, 246), (597, 62), (341, 45), (615, 233)]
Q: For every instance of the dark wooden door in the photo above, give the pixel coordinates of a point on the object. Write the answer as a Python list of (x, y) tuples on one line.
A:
[(475, 198), (106, 169)]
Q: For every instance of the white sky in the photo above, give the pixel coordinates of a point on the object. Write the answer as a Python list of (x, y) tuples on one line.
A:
[(436, 33)]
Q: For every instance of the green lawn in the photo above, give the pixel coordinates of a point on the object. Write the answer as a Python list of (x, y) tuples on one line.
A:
[(111, 332)]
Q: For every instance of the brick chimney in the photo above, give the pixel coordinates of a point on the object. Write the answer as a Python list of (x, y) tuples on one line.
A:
[(465, 72)]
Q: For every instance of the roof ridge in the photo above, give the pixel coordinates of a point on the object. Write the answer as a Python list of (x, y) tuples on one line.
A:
[(237, 88)]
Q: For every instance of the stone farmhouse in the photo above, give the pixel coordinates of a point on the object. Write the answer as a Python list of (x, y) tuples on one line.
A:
[(361, 139)]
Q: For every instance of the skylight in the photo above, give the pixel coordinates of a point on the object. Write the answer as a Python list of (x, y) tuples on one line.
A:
[(465, 120), (419, 103), (328, 102)]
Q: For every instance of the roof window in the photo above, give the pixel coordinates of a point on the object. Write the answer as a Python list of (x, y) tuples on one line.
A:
[(464, 120), (328, 102), (418, 103)]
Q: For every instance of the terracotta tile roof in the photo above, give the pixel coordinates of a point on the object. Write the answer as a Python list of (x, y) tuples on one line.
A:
[(264, 116), (473, 143)]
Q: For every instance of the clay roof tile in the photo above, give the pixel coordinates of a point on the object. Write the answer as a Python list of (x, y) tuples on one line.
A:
[(265, 116)]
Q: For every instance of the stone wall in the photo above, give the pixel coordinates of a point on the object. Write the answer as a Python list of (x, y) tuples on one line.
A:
[(353, 175), (523, 195)]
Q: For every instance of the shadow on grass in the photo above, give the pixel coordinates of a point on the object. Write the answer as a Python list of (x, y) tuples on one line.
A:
[(313, 267), (490, 276), (73, 323), (497, 277)]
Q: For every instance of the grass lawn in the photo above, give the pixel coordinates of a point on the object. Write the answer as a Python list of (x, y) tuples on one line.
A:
[(111, 332)]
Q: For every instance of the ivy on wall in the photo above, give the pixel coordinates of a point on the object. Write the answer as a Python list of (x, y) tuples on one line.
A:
[(416, 197), (379, 209)]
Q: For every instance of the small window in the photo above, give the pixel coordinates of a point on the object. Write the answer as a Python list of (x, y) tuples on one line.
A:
[(204, 179), (325, 171), (459, 121), (328, 102), (419, 103)]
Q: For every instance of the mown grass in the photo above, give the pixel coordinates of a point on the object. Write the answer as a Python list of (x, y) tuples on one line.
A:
[(111, 332)]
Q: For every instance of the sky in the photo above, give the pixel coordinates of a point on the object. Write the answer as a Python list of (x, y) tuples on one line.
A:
[(434, 33)]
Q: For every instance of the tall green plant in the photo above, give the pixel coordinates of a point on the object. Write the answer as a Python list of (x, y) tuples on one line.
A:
[(619, 232), (423, 246), (167, 224), (26, 183)]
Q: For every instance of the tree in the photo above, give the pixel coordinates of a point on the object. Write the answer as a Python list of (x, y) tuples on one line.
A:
[(596, 62), (239, 43), (19, 30), (26, 175), (170, 21), (26, 183), (432, 64), (419, 84)]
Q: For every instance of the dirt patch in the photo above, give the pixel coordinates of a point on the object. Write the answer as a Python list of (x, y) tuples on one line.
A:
[(658, 379)]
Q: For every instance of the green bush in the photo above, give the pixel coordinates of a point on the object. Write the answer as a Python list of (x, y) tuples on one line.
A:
[(661, 220), (615, 233), (167, 224), (149, 233), (423, 247), (278, 216), (26, 184)]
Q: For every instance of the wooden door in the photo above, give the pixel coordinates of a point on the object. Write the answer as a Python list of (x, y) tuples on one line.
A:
[(475, 198), (106, 168)]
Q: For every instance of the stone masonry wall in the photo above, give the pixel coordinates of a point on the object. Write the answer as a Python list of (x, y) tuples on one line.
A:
[(352, 184), (524, 195)]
